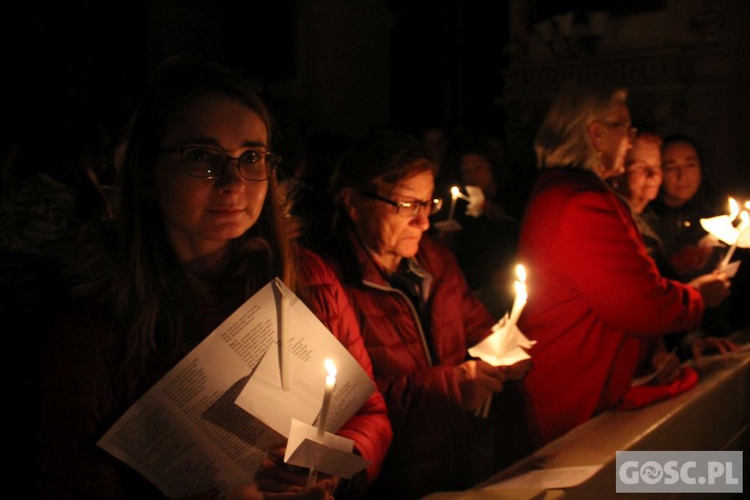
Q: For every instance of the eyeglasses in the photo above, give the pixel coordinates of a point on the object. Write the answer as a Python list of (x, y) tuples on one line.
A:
[(410, 208), (629, 129), (206, 162)]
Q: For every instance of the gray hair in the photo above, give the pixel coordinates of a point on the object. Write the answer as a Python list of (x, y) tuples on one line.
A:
[(563, 139)]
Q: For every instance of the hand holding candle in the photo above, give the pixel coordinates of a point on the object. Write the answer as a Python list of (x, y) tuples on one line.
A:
[(518, 304)]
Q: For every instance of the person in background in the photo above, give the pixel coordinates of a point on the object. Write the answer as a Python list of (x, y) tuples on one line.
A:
[(486, 245), (638, 186), (684, 199), (594, 293), (417, 314), (201, 231), (308, 190)]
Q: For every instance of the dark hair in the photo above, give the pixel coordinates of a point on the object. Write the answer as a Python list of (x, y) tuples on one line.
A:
[(682, 139), (479, 146), (147, 289), (382, 156)]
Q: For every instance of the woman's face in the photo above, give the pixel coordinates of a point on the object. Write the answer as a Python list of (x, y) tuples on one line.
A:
[(389, 235), (202, 215), (643, 170), (682, 173), (613, 140), (476, 170)]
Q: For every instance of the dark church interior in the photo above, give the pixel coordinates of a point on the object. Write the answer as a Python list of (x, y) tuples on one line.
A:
[(74, 72)]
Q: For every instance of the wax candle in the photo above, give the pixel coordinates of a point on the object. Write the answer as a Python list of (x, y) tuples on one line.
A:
[(518, 304), (312, 476), (330, 383), (455, 192), (521, 296), (743, 226), (283, 337)]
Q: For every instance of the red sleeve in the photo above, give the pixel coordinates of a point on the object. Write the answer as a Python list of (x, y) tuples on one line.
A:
[(370, 428), (611, 269)]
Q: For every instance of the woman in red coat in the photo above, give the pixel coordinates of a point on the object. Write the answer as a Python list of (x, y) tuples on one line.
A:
[(594, 293), (417, 314), (198, 231)]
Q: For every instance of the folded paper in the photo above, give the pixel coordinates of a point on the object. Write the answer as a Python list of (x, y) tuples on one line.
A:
[(334, 455), (504, 347)]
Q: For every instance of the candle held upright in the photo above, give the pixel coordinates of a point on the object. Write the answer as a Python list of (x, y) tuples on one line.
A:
[(330, 384)]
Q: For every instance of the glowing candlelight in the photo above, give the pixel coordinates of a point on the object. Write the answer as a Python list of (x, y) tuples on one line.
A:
[(521, 295), (518, 304), (734, 209), (330, 383), (455, 193), (283, 337), (743, 226), (323, 418)]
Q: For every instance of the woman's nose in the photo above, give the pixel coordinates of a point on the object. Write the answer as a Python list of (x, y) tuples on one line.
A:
[(229, 178), (422, 220)]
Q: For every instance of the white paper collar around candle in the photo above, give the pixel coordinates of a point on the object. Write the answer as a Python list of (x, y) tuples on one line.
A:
[(722, 226), (476, 201)]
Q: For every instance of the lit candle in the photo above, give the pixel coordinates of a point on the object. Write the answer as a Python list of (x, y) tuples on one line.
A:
[(521, 295), (455, 192), (518, 303), (283, 337), (312, 476), (744, 225), (330, 383)]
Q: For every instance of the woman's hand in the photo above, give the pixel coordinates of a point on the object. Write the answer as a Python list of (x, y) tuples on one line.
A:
[(700, 345), (478, 380), (714, 288), (667, 365), (518, 370)]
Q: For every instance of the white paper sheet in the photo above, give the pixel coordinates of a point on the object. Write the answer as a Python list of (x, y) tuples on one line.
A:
[(187, 435)]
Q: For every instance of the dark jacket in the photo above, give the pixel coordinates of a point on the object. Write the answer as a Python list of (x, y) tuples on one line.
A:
[(413, 361)]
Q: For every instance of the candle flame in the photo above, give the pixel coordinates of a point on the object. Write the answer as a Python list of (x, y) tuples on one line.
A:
[(734, 208), (521, 272), (455, 191), (330, 368)]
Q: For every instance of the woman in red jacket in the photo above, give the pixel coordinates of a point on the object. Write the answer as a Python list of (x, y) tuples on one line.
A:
[(197, 232), (594, 293), (417, 314)]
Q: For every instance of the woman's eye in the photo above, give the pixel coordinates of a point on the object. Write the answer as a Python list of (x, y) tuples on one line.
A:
[(250, 157)]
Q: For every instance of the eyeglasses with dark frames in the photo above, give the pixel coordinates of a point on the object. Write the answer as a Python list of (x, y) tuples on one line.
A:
[(409, 208), (206, 162), (629, 129)]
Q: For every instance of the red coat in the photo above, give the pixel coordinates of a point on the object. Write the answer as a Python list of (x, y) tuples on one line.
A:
[(593, 295), (81, 396), (413, 365)]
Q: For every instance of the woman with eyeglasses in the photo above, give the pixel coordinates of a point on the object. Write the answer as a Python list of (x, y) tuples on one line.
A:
[(417, 315), (198, 231), (595, 295)]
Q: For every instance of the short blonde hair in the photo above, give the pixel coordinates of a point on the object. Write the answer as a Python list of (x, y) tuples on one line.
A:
[(563, 139)]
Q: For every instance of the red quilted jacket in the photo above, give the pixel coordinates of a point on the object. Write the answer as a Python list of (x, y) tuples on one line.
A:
[(413, 364)]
